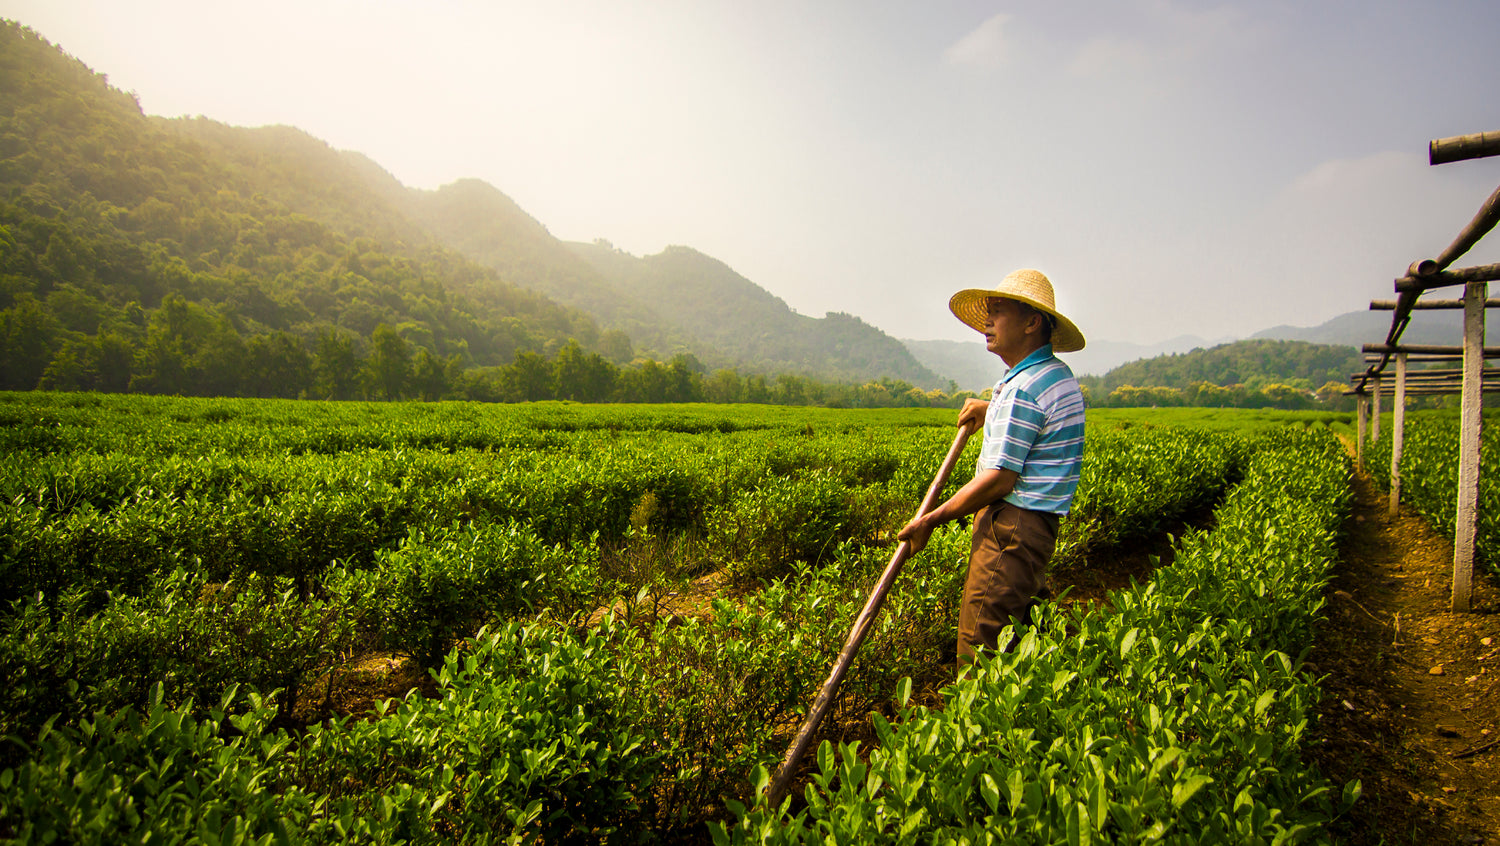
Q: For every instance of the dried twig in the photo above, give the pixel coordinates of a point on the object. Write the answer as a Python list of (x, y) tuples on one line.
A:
[(1469, 753)]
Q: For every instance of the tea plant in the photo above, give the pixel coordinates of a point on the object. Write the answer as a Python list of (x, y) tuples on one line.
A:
[(1429, 476), (1178, 717)]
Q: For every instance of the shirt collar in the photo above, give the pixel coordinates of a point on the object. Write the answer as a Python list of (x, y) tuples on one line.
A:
[(1037, 356)]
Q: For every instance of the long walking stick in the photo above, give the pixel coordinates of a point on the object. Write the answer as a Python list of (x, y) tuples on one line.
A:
[(861, 628)]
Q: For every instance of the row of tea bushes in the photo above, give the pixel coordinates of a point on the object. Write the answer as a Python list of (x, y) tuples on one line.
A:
[(538, 732), (305, 556), (1138, 482), (1429, 476), (704, 701), (1177, 718)]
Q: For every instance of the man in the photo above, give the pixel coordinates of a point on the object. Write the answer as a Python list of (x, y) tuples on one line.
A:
[(1029, 464)]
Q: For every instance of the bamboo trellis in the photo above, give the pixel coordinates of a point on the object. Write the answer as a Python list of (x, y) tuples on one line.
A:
[(1471, 379)]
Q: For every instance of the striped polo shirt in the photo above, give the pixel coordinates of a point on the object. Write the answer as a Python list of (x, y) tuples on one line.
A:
[(1034, 426)]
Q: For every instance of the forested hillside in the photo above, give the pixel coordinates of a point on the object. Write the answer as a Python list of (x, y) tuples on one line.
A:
[(185, 256), (1253, 372), (738, 318), (481, 222)]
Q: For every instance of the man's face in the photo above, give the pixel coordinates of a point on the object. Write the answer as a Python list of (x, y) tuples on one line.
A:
[(1005, 328)]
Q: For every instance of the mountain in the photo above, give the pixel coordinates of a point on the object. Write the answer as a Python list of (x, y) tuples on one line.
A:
[(481, 222), (974, 368), (734, 317), (1254, 362), (678, 301), (1356, 328), (189, 256)]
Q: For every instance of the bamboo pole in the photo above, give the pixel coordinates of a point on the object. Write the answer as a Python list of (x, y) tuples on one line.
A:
[(1484, 220), (1427, 349), (1375, 412), (1471, 421), (1398, 433), (857, 634), (1416, 284), (1477, 145), (1390, 305)]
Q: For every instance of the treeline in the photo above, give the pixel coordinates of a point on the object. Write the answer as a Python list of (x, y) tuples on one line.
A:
[(1253, 365), (1256, 373), (187, 349), (1209, 395)]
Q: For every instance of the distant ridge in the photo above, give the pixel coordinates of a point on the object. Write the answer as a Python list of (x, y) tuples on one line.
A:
[(706, 299), (974, 368), (1370, 327)]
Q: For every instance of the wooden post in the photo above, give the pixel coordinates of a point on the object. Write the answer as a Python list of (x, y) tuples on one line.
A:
[(1398, 433), (1470, 423), (1375, 412), (1361, 405)]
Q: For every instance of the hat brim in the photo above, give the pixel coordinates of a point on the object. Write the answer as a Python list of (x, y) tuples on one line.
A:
[(969, 306)]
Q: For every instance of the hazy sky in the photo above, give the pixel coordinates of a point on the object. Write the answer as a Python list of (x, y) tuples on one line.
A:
[(1176, 167)]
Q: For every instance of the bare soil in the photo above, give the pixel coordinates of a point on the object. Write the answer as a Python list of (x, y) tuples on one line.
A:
[(1411, 689)]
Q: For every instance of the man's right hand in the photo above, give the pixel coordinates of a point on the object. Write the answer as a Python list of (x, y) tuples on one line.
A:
[(971, 416)]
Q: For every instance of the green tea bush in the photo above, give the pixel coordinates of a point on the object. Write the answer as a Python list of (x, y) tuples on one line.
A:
[(1136, 483), (443, 584), (765, 531), (191, 638), (1429, 476), (1179, 717), (161, 775), (534, 736)]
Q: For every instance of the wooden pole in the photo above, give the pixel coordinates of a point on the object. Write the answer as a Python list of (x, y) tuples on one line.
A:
[(1426, 349), (1471, 422), (1484, 220), (1361, 404), (1460, 147), (794, 753), (1398, 433), (1375, 412), (1390, 305)]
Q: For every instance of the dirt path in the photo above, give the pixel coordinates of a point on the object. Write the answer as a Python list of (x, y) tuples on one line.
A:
[(1411, 698)]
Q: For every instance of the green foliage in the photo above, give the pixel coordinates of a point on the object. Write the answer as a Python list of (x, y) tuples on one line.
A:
[(437, 588), (188, 637), (1429, 475), (1243, 374), (1178, 717), (201, 544)]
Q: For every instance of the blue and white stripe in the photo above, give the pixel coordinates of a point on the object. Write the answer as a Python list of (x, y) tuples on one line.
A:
[(1034, 426)]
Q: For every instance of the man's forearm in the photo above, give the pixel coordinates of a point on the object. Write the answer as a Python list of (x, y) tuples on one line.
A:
[(983, 489)]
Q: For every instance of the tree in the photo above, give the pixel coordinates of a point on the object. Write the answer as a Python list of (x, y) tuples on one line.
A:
[(529, 378), (389, 365), (615, 346), (335, 366), (725, 386), (28, 337), (277, 365), (433, 377)]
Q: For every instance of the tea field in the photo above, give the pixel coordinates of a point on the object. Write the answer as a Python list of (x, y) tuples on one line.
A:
[(184, 581)]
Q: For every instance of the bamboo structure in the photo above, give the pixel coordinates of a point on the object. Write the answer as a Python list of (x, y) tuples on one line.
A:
[(1471, 379)]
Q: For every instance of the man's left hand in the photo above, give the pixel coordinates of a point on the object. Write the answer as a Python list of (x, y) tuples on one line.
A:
[(916, 534)]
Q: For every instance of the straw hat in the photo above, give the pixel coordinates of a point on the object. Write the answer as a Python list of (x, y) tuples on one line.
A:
[(1025, 285)]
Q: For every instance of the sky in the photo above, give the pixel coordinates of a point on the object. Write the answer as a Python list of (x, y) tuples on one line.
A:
[(1175, 167)]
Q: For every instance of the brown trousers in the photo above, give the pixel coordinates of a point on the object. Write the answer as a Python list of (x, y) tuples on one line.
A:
[(1007, 571)]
